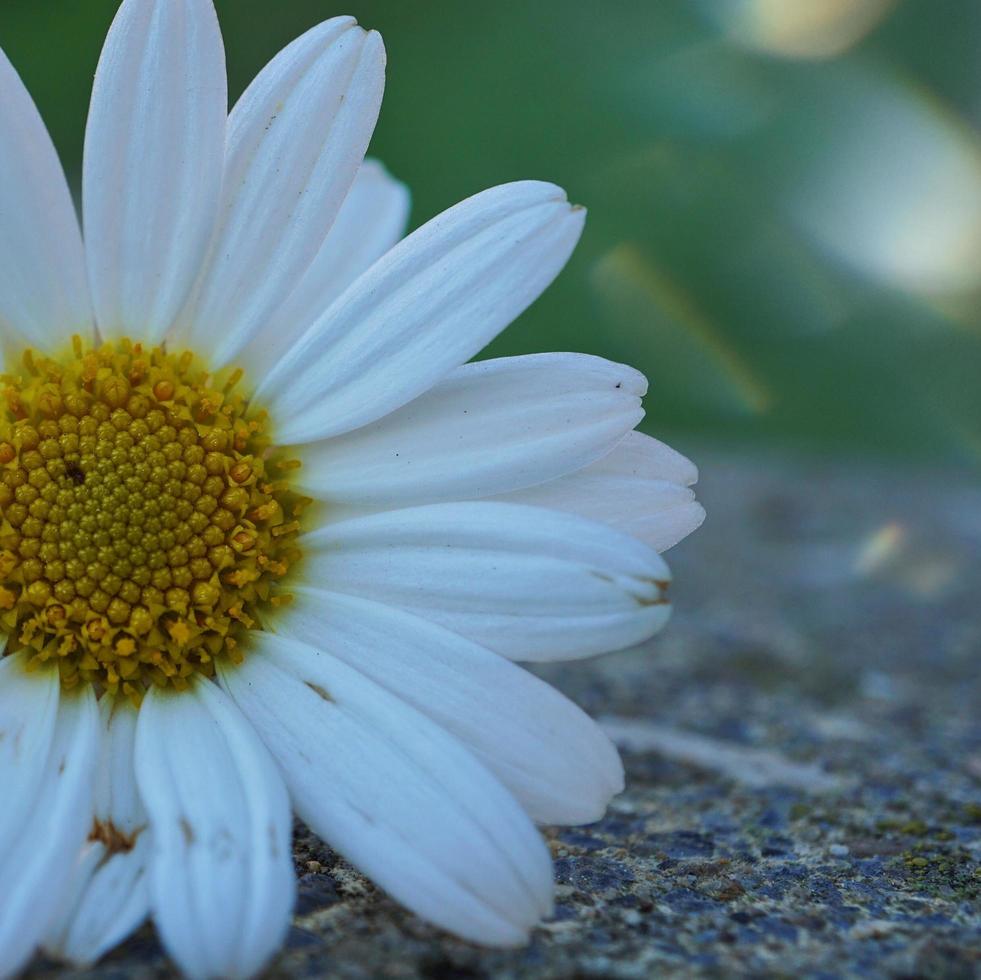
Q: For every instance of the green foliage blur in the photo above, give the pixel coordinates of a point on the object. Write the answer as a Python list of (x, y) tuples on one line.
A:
[(784, 195)]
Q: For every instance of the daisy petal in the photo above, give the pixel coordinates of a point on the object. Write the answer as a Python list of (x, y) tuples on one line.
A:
[(117, 800), (550, 754), (44, 296), (649, 458), (221, 880), (109, 897), (531, 584), (371, 220), (28, 712), (48, 752), (395, 794), (424, 308), (154, 149), (109, 901), (295, 141), (620, 491), (488, 428)]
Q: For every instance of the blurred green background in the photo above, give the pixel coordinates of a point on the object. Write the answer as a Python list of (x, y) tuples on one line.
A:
[(784, 195)]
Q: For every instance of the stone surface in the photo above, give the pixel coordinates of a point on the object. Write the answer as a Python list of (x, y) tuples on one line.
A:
[(803, 759)]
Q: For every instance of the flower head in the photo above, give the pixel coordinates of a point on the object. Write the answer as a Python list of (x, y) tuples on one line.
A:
[(268, 543)]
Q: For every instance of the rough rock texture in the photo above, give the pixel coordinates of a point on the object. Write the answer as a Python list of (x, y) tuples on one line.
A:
[(803, 758)]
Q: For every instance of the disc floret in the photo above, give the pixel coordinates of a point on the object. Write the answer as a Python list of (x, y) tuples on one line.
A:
[(142, 526)]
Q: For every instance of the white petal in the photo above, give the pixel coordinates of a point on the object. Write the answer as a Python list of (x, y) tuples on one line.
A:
[(395, 794), (531, 584), (47, 766), (28, 712), (371, 221), (295, 141), (109, 897), (44, 296), (221, 879), (109, 902), (620, 491), (551, 755), (488, 428), (117, 799), (647, 458), (154, 150), (421, 310)]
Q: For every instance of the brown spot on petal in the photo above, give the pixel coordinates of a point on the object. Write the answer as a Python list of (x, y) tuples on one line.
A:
[(319, 691), (114, 840)]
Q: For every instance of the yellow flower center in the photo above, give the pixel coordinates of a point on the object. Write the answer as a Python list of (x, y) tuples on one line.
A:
[(144, 515)]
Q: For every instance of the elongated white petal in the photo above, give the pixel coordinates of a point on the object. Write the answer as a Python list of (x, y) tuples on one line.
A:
[(28, 712), (660, 515), (44, 296), (109, 901), (421, 310), (221, 880), (295, 141), (371, 220), (48, 751), (395, 794), (552, 756), (643, 456), (109, 896), (154, 151), (490, 427), (531, 584), (619, 490), (117, 800)]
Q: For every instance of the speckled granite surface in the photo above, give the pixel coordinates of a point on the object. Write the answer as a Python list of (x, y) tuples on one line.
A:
[(803, 757)]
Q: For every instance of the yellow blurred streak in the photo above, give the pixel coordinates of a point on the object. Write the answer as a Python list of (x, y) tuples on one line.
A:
[(892, 554), (880, 548), (658, 322), (798, 279), (810, 29), (959, 309)]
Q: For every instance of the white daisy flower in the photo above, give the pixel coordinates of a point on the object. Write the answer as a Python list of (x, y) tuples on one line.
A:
[(269, 545)]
